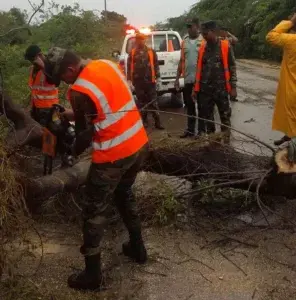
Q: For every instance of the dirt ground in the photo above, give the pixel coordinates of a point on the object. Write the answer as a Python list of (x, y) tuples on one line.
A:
[(202, 256), (213, 258)]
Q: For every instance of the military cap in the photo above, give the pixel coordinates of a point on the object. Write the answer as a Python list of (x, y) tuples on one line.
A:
[(210, 25), (54, 58), (31, 52)]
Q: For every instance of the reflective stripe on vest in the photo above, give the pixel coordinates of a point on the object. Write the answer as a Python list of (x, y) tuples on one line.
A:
[(224, 55), (112, 117), (119, 139), (151, 60), (43, 95), (118, 128)]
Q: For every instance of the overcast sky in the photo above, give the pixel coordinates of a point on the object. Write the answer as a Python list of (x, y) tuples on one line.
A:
[(138, 12)]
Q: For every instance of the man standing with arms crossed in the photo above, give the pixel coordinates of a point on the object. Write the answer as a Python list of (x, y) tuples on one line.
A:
[(106, 115), (187, 68)]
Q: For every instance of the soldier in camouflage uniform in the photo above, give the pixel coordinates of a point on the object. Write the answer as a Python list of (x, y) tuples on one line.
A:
[(212, 85), (187, 68), (140, 75), (107, 179)]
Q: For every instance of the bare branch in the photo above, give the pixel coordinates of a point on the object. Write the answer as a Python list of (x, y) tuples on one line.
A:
[(26, 27), (17, 29), (35, 12)]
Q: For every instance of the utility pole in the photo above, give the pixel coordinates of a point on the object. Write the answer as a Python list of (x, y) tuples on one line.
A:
[(105, 5)]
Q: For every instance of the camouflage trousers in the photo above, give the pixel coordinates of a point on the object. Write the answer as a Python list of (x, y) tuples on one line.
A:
[(191, 112), (107, 182), (147, 98), (207, 101)]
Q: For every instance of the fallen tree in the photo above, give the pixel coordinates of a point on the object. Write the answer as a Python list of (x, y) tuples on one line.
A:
[(190, 159)]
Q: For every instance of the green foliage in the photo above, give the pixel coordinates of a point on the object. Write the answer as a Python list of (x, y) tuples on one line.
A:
[(224, 200), (157, 199), (249, 20), (168, 206), (90, 34)]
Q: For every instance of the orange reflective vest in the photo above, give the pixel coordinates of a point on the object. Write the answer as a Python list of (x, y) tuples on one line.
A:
[(224, 54), (118, 127), (151, 60), (43, 94)]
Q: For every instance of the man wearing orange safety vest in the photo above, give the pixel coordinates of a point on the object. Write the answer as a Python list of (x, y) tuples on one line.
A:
[(144, 76), (187, 69), (105, 113), (43, 94), (215, 76)]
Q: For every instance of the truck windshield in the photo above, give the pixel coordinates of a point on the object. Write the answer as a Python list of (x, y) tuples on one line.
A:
[(159, 42)]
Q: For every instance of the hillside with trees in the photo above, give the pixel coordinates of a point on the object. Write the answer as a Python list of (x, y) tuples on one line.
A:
[(249, 20), (92, 34)]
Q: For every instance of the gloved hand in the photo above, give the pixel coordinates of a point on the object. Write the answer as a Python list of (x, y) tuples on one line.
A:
[(292, 150), (158, 84)]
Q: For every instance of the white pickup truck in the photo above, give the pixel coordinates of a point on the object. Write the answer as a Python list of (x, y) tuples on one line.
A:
[(167, 44)]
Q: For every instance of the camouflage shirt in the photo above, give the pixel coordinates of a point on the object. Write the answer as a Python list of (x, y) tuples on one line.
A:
[(142, 67), (213, 76)]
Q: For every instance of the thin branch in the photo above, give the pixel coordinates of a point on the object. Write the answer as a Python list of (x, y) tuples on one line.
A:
[(16, 29), (219, 185), (217, 123), (26, 27), (198, 118), (204, 277), (259, 202), (237, 241), (153, 273), (35, 12), (191, 258), (232, 262)]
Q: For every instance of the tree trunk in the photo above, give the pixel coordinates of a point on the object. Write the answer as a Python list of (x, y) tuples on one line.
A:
[(25, 130)]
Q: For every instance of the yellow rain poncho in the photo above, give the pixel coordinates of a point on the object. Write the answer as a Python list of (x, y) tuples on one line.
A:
[(284, 118)]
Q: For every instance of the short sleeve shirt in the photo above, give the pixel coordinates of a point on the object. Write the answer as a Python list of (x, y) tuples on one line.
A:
[(191, 48)]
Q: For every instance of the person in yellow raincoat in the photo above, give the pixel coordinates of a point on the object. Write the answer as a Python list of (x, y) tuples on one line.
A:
[(284, 118)]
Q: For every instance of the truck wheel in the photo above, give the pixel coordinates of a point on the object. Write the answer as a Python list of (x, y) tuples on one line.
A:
[(176, 100)]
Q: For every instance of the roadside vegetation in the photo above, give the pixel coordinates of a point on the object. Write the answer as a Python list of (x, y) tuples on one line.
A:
[(92, 34), (249, 20)]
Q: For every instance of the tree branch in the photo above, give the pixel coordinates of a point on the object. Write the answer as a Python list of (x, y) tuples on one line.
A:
[(26, 27)]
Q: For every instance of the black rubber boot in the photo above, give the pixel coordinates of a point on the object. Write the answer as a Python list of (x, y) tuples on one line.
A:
[(186, 134), (91, 278), (135, 249)]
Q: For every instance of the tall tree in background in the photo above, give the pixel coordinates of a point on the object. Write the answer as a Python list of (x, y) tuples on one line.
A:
[(249, 20)]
